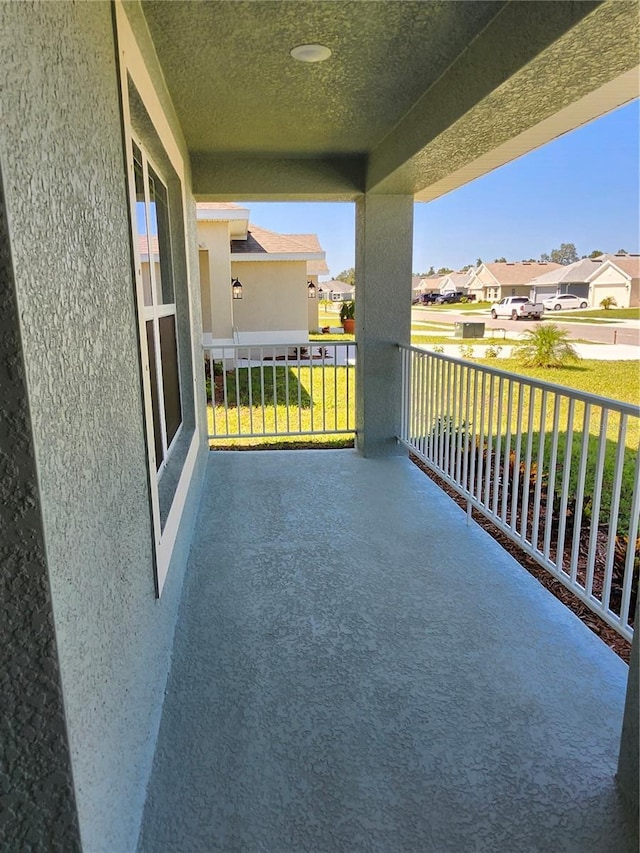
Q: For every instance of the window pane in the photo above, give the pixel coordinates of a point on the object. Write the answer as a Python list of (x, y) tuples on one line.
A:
[(141, 227), (151, 348), (159, 223), (170, 378)]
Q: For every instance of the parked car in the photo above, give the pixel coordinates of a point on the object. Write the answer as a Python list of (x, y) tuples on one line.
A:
[(562, 301), (517, 308), (445, 298), (428, 298)]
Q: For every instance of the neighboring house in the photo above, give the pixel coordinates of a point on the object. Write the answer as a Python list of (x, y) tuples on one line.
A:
[(430, 284), (119, 114), (275, 271), (336, 291), (492, 282), (592, 279), (618, 277), (456, 282)]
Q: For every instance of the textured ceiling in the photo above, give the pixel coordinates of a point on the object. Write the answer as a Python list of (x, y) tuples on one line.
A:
[(417, 98), (236, 88)]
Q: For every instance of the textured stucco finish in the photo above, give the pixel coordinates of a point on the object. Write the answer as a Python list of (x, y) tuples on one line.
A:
[(417, 95), (37, 807), (274, 296), (396, 684), (62, 158), (384, 249)]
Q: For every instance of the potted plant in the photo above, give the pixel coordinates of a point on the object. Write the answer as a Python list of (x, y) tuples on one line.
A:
[(347, 317)]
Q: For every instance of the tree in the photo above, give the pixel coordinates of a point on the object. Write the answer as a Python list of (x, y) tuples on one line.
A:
[(622, 252), (544, 258), (566, 254), (478, 261), (348, 276), (444, 271), (608, 302), (596, 253), (431, 270), (546, 346), (502, 260)]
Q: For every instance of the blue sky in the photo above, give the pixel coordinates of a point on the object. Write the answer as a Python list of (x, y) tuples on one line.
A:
[(582, 188)]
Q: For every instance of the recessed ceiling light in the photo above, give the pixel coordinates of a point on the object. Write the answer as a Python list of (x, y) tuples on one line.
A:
[(311, 53)]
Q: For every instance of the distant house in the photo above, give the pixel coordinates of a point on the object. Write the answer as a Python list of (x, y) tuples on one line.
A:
[(430, 284), (491, 282), (274, 271), (456, 282), (618, 276), (593, 279), (336, 291)]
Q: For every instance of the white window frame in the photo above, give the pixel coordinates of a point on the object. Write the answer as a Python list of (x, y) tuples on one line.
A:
[(152, 313), (132, 64)]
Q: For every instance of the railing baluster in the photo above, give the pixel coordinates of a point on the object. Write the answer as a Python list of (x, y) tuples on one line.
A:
[(498, 450), (616, 489), (515, 482), (551, 483), (526, 482), (537, 495), (597, 497), (564, 497), (444, 403), (506, 481), (578, 509)]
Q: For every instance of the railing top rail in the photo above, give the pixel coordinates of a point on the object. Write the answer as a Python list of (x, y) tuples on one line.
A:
[(563, 390), (278, 344)]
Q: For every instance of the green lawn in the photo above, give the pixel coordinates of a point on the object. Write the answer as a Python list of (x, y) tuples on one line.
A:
[(611, 314), (305, 398), (618, 380), (456, 306)]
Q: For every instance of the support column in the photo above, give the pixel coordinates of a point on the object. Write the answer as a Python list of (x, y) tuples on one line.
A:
[(628, 761), (384, 254)]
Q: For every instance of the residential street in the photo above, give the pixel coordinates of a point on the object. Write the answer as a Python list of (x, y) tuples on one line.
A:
[(623, 332)]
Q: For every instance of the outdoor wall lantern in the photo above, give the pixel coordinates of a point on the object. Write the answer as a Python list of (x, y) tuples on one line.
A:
[(311, 290), (236, 288)]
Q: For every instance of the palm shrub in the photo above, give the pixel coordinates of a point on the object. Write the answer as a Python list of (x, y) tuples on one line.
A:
[(608, 302), (546, 346), (347, 310)]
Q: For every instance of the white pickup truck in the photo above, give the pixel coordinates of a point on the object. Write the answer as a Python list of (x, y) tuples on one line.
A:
[(517, 307)]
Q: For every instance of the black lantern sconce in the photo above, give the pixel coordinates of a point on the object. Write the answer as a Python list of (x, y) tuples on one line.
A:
[(311, 290), (236, 288)]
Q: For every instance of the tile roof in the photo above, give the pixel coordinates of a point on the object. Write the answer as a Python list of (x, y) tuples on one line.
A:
[(627, 263), (580, 271), (337, 286), (261, 241), (317, 267), (521, 272)]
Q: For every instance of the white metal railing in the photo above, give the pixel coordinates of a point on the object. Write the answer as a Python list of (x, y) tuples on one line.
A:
[(556, 470), (276, 390)]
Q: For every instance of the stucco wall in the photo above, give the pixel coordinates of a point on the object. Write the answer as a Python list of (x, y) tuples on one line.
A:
[(37, 808), (215, 237), (62, 162), (274, 296)]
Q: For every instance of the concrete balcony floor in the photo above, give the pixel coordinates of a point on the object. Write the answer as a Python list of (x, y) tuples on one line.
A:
[(356, 669)]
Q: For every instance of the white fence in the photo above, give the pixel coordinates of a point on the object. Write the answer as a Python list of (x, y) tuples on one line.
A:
[(555, 469), (278, 390)]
